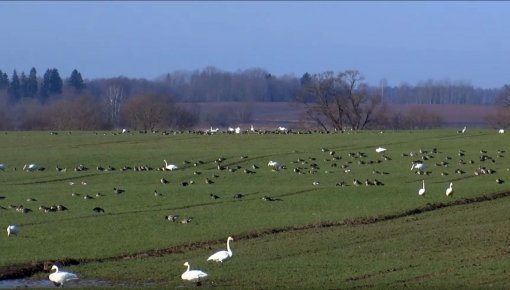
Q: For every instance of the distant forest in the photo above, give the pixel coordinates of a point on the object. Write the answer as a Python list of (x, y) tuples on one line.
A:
[(213, 85), (62, 102)]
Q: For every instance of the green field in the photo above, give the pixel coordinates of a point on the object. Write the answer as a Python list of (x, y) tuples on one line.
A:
[(312, 236)]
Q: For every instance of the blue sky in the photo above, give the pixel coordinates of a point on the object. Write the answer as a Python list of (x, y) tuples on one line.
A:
[(397, 41)]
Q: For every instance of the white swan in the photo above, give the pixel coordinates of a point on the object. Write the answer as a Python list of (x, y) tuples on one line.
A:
[(272, 163), (380, 149), (193, 275), (418, 166), (12, 230), (170, 166), (221, 256), (275, 165), (31, 167), (422, 190), (60, 277), (449, 190)]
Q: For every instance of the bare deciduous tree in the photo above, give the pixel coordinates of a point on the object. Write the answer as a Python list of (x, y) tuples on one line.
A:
[(327, 105), (82, 113), (503, 97), (113, 100), (360, 105), (338, 99), (148, 112)]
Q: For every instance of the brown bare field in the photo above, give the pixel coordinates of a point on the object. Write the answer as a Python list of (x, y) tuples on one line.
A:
[(455, 115), (291, 115)]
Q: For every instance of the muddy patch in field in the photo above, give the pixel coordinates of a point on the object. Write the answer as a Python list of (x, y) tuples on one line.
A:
[(81, 283)]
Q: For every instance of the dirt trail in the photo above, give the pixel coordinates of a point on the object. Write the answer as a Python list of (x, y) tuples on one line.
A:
[(29, 269)]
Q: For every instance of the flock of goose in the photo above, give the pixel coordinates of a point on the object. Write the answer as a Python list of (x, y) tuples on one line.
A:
[(418, 166)]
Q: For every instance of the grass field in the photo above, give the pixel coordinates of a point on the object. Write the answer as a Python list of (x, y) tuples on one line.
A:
[(312, 236)]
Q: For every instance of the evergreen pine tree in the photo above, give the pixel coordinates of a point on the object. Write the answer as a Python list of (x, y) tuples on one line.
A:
[(32, 85), (55, 82), (76, 81), (14, 88), (44, 91), (23, 82), (52, 84), (4, 80)]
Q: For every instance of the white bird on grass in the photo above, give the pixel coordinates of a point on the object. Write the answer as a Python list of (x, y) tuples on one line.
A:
[(449, 190), (12, 230), (2, 166), (275, 165), (418, 166), (193, 275), (31, 167), (221, 256), (170, 166), (272, 163), (60, 277), (422, 190), (380, 149)]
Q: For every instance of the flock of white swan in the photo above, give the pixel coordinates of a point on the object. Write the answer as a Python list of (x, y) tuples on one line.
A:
[(59, 278), (198, 275)]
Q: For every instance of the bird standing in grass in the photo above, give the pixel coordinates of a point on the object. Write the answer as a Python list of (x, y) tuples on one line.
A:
[(170, 166), (12, 230), (221, 256), (422, 190), (60, 277), (449, 190)]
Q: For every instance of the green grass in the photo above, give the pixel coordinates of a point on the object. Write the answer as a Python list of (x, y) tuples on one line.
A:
[(458, 247)]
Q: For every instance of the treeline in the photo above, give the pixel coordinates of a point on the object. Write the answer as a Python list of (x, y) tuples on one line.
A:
[(438, 92), (29, 101), (213, 85), (21, 86)]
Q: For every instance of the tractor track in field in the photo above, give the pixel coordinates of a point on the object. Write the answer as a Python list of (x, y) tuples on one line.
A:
[(28, 269)]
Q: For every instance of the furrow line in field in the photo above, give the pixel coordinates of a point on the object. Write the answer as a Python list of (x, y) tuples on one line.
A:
[(26, 270)]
